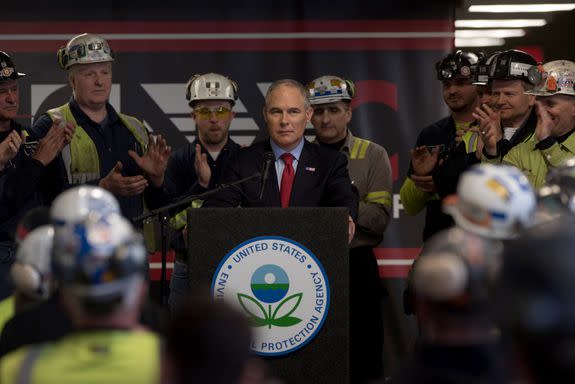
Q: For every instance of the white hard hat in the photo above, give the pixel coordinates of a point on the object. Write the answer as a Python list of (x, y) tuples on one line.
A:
[(494, 201), (330, 89), (211, 86), (75, 204), (553, 78), (85, 49), (31, 272), (97, 258)]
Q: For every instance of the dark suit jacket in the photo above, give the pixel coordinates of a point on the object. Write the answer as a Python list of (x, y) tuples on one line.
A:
[(321, 180)]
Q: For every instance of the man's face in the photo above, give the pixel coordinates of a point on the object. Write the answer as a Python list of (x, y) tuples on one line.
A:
[(9, 99), (459, 94), (213, 119), (330, 121), (508, 98), (484, 92), (286, 116), (92, 83), (561, 109)]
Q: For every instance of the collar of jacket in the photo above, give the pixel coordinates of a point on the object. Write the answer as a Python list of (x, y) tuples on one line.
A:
[(526, 130), (82, 119)]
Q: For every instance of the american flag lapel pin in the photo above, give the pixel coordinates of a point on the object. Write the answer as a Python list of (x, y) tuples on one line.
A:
[(310, 169)]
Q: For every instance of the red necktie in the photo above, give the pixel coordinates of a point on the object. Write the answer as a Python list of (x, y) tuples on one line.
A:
[(287, 179)]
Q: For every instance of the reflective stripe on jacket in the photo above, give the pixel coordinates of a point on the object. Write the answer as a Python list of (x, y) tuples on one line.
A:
[(81, 158)]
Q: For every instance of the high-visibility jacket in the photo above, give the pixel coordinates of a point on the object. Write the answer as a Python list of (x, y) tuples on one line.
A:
[(535, 162), (6, 310), (415, 200), (81, 158), (102, 356)]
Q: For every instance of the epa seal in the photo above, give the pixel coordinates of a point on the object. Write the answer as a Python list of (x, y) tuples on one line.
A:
[(280, 286)]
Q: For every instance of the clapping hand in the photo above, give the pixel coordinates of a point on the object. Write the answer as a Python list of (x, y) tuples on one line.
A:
[(155, 161), (9, 147)]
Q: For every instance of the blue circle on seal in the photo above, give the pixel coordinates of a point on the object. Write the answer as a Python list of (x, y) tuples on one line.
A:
[(270, 283)]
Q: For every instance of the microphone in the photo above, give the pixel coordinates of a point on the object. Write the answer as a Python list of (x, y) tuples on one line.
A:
[(269, 158)]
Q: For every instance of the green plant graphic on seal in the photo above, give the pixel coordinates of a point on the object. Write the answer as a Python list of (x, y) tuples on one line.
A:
[(270, 284)]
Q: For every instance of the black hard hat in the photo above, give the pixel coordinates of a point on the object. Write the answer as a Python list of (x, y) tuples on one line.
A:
[(534, 296), (512, 64), (482, 72), (461, 65), (7, 68)]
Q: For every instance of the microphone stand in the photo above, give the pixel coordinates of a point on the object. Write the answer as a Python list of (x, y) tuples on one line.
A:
[(162, 214)]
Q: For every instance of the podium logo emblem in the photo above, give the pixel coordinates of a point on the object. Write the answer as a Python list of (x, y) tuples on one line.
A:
[(280, 286), (270, 284)]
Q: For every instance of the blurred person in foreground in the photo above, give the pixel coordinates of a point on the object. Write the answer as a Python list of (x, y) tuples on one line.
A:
[(99, 263), (34, 258), (536, 305), (458, 339), (70, 208), (494, 202), (209, 342)]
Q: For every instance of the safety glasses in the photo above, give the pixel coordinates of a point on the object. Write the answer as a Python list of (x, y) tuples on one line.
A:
[(206, 113)]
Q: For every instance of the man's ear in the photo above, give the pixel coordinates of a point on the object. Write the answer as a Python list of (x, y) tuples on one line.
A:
[(348, 114), (71, 80), (265, 114), (308, 114)]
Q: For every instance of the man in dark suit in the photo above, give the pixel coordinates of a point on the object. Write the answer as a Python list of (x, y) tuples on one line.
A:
[(299, 174)]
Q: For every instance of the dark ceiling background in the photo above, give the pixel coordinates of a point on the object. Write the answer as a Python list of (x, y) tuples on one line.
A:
[(556, 39), (224, 10)]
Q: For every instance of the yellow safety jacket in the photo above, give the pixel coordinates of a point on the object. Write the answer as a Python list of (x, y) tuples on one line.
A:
[(414, 199), (81, 158), (536, 162), (82, 161), (103, 356), (6, 310)]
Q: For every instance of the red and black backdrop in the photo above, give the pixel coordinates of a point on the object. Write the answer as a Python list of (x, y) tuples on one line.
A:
[(387, 47)]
